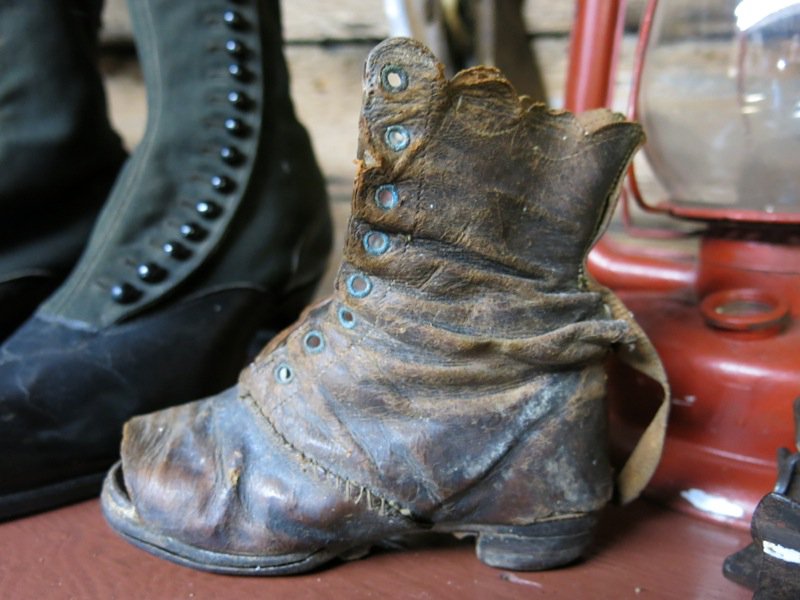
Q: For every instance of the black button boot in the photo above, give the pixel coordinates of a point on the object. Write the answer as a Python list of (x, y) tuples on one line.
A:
[(217, 228), (58, 153)]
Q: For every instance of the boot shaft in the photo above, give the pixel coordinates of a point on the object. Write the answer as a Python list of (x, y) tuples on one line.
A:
[(204, 63), (474, 210), (59, 153), (54, 128), (469, 164), (223, 180)]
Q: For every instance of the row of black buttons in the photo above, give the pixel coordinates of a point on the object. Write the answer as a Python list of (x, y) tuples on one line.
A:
[(192, 232)]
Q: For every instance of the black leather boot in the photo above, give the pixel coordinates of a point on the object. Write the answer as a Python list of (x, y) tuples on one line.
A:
[(58, 153), (218, 227)]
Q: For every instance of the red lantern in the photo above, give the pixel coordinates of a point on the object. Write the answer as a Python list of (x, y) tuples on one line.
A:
[(716, 85)]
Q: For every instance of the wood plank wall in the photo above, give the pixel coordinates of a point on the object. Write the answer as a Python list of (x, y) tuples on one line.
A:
[(343, 23), (354, 20)]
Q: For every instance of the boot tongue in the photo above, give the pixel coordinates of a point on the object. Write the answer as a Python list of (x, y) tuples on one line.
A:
[(470, 164)]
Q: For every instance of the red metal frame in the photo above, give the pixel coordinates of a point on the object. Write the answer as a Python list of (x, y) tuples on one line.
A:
[(733, 377), (596, 35)]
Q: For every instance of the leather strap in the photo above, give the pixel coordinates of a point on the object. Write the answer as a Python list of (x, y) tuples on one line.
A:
[(641, 356)]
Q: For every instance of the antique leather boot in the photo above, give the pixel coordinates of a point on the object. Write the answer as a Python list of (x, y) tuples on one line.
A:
[(57, 149), (218, 227), (454, 381)]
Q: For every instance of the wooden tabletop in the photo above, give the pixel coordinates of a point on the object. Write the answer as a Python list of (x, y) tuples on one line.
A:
[(642, 552)]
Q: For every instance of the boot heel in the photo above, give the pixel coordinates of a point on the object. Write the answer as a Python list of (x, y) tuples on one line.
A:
[(535, 547)]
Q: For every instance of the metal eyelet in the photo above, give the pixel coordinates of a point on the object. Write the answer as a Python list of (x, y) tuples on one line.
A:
[(176, 250), (208, 209), (151, 272), (394, 78), (222, 184), (397, 137), (358, 285), (376, 242), (125, 293), (284, 373), (386, 196), (313, 342), (346, 317)]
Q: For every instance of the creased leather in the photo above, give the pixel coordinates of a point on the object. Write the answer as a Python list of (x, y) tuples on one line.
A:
[(461, 384)]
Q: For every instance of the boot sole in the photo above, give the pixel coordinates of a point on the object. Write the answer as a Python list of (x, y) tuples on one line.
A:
[(19, 504), (534, 547)]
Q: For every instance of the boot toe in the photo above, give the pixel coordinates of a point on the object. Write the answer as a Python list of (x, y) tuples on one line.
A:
[(169, 464), (65, 392), (207, 486), (201, 484), (49, 434)]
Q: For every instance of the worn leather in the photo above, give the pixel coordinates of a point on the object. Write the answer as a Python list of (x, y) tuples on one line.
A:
[(85, 363), (58, 152), (455, 378)]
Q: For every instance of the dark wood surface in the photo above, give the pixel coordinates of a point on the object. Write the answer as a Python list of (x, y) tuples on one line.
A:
[(643, 552)]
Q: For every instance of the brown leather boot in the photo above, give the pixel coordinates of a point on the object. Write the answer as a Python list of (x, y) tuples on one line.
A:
[(454, 381)]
